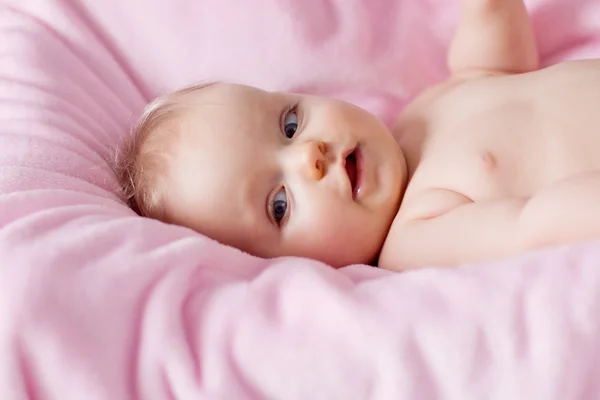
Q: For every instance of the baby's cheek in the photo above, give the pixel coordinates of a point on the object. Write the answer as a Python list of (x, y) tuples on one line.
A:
[(341, 238)]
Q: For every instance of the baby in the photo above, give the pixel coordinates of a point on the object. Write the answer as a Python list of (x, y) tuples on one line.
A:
[(500, 158)]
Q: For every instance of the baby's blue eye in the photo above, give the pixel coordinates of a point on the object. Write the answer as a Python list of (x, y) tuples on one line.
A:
[(290, 124), (279, 206)]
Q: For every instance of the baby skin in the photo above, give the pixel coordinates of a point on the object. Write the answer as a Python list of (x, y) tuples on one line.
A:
[(498, 159)]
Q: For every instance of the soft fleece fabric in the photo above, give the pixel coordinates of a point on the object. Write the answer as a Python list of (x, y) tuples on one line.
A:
[(96, 303)]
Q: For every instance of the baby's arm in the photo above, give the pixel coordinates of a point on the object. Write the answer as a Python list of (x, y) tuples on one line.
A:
[(467, 231), (493, 36), (565, 212)]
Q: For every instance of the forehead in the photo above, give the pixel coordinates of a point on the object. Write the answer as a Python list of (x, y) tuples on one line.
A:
[(218, 171), (231, 104), (229, 124)]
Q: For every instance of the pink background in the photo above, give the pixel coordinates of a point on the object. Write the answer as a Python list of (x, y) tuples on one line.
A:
[(96, 303)]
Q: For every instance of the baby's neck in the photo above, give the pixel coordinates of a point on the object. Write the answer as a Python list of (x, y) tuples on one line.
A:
[(411, 144)]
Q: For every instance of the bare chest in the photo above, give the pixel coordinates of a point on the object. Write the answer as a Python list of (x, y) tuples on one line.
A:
[(507, 136)]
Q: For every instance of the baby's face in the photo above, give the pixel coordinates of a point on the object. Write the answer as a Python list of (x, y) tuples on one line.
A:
[(280, 174)]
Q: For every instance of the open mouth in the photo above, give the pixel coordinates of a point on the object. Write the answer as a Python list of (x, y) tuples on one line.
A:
[(353, 169)]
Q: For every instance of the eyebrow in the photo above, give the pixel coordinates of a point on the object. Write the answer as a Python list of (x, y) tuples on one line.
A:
[(271, 119)]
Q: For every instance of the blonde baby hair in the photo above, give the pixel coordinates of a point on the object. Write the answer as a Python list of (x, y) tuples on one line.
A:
[(141, 161)]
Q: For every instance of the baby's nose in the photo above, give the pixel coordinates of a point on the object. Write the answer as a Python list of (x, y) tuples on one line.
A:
[(314, 162)]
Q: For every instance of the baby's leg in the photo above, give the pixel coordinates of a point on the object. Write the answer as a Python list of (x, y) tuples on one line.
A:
[(566, 212), (493, 36)]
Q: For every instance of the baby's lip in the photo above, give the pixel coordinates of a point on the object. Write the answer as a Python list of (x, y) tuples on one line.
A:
[(348, 151)]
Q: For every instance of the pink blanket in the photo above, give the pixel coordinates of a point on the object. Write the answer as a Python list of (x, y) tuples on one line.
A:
[(96, 303)]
